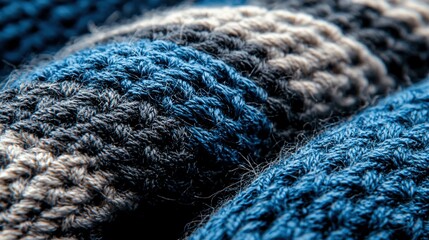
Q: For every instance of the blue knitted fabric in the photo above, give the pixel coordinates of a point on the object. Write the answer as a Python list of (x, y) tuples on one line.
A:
[(366, 179), (44, 26)]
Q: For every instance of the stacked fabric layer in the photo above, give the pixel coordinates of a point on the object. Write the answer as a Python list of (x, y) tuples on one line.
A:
[(153, 122)]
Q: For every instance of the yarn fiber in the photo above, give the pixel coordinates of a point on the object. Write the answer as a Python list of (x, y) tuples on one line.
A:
[(366, 179), (154, 122)]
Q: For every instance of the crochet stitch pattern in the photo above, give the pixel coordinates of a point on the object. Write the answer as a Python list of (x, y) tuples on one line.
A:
[(155, 121), (366, 179)]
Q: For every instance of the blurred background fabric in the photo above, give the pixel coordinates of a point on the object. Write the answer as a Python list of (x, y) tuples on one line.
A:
[(29, 28)]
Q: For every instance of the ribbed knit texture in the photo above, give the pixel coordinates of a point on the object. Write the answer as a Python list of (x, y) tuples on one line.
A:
[(153, 122), (366, 179), (44, 26)]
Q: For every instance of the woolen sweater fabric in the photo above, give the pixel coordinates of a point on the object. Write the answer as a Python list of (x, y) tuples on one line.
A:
[(153, 122)]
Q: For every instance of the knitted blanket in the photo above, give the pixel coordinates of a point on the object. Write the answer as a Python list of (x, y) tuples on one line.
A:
[(154, 122)]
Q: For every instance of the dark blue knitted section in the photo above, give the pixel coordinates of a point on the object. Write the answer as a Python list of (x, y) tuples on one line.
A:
[(366, 179), (43, 26)]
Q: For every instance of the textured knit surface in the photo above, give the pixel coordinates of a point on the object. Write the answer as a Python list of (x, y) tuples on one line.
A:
[(311, 71), (367, 179), (41, 26), (152, 123), (108, 128), (301, 59), (396, 31)]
